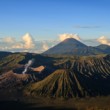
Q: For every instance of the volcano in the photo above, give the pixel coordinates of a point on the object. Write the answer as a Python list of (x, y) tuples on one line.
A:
[(72, 46)]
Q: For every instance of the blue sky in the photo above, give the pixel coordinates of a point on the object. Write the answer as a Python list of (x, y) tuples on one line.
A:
[(46, 19)]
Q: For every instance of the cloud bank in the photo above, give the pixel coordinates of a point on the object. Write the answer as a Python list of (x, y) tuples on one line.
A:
[(66, 35), (103, 40), (8, 40), (26, 43)]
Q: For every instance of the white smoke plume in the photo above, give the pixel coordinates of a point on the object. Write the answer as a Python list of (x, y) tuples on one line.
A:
[(66, 35), (103, 40), (30, 62)]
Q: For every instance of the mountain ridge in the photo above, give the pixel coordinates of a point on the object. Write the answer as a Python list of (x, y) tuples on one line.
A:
[(71, 46)]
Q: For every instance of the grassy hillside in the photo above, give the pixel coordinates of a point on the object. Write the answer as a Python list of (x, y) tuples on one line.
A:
[(10, 62)]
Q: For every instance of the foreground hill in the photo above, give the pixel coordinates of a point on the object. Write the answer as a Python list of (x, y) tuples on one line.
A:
[(17, 61), (56, 75), (61, 83), (81, 77), (4, 54), (12, 79)]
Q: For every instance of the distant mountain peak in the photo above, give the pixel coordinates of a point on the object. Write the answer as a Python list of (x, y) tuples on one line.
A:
[(71, 46), (70, 39)]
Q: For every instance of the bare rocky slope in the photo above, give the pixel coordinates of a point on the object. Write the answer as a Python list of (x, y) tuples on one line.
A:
[(81, 77), (56, 75)]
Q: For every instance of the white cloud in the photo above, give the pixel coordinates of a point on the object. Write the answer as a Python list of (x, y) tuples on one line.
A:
[(28, 42), (17, 46), (45, 46), (25, 43), (8, 40), (103, 40), (66, 35)]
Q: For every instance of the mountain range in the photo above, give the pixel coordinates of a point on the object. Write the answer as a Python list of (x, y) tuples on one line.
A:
[(70, 69), (72, 46)]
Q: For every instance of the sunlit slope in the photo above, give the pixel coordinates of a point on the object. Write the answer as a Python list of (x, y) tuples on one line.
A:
[(86, 76)]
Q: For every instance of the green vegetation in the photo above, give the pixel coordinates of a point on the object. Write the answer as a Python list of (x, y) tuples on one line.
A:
[(10, 62)]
